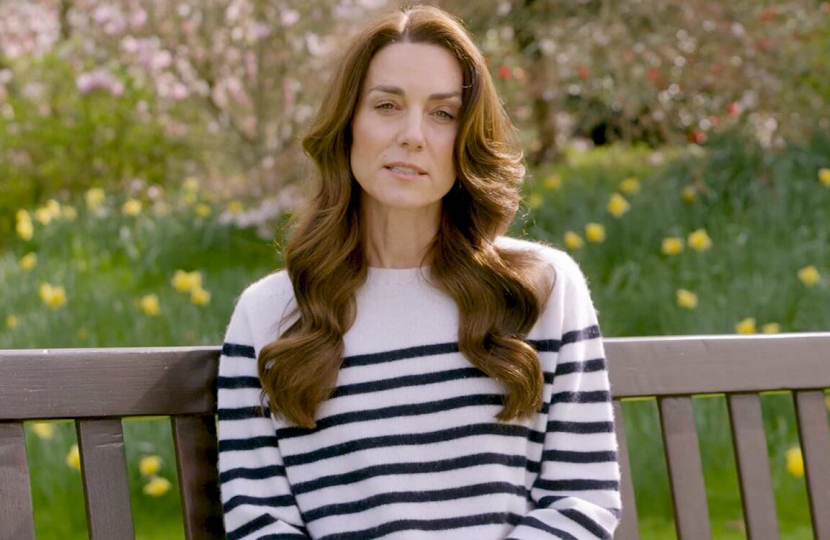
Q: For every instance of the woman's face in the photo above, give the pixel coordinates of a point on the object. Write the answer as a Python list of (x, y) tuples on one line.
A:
[(407, 113)]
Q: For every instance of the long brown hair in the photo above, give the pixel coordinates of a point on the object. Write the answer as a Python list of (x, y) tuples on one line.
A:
[(499, 292)]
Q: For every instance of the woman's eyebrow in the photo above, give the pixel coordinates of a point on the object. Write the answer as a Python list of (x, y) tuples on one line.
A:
[(399, 91)]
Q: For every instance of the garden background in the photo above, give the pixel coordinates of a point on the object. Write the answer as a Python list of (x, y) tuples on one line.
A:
[(149, 154)]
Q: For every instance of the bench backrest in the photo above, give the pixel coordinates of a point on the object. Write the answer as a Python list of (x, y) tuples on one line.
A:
[(99, 387)]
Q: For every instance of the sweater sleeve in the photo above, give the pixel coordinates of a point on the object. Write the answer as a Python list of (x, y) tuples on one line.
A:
[(576, 494), (256, 498)]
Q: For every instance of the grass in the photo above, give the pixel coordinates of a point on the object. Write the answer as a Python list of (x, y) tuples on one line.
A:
[(765, 212)]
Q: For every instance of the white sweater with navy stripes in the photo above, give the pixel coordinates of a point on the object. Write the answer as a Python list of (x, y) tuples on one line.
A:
[(409, 446)]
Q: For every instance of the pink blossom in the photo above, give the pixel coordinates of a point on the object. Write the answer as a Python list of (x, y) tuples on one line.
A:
[(289, 17), (99, 79)]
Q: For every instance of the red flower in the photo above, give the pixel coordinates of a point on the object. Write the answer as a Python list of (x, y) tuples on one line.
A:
[(733, 109), (582, 72), (768, 14), (697, 136), (504, 72)]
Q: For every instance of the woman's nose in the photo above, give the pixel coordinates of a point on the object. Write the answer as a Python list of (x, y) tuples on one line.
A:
[(411, 133)]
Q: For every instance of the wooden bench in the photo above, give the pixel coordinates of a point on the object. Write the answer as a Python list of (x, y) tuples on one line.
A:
[(99, 387)]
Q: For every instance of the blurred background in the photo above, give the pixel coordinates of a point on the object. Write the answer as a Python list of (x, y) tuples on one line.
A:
[(149, 154)]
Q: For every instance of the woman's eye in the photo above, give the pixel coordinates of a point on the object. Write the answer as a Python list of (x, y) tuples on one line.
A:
[(383, 105), (447, 115)]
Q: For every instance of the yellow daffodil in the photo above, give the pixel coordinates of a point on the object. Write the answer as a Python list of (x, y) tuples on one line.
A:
[(672, 245), (617, 205), (234, 207), (699, 240), (69, 213), (689, 194), (594, 232), (149, 465), (23, 215), (24, 229), (686, 299), (630, 186), (746, 326), (535, 200), (771, 328), (73, 458), (573, 240), (53, 207), (132, 207), (95, 197), (54, 297), (200, 297), (809, 275), (190, 198), (157, 486), (187, 281), (191, 184), (12, 321), (203, 210), (150, 305), (43, 215), (44, 430), (824, 176), (795, 461), (28, 261), (553, 182)]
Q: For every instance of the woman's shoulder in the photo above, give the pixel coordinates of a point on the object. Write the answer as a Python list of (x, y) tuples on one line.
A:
[(265, 290), (561, 260)]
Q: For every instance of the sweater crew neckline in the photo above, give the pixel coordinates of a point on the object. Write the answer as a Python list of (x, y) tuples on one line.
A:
[(397, 276)]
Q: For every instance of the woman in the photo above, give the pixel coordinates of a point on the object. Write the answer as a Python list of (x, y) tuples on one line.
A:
[(413, 373)]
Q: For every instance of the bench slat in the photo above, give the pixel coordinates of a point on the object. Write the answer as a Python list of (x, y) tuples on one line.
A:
[(104, 472), (686, 365), (750, 444), (691, 512), (16, 515), (79, 382), (628, 528), (815, 445), (196, 458)]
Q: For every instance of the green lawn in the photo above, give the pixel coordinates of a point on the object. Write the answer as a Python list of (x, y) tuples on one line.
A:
[(765, 214)]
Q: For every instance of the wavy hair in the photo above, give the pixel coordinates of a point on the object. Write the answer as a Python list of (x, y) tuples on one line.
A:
[(500, 292)]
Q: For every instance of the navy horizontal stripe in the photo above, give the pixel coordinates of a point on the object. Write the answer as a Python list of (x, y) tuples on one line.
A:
[(242, 413), (395, 411), (576, 484), (598, 396), (255, 473), (588, 366), (428, 467), (591, 332), (507, 430), (427, 525), (280, 500), (250, 443), (586, 523), (535, 523), (580, 427), (252, 526), (235, 350), (438, 495), (238, 382), (572, 456), (283, 536)]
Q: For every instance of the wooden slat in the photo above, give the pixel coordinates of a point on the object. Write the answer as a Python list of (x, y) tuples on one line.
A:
[(815, 446), (79, 383), (196, 456), (691, 511), (104, 472), (16, 517), (670, 366), (750, 444), (628, 528)]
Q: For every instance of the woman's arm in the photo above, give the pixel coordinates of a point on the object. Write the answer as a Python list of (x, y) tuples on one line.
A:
[(577, 491), (256, 497)]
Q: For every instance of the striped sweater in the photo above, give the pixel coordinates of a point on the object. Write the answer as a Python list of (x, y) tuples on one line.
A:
[(408, 446)]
